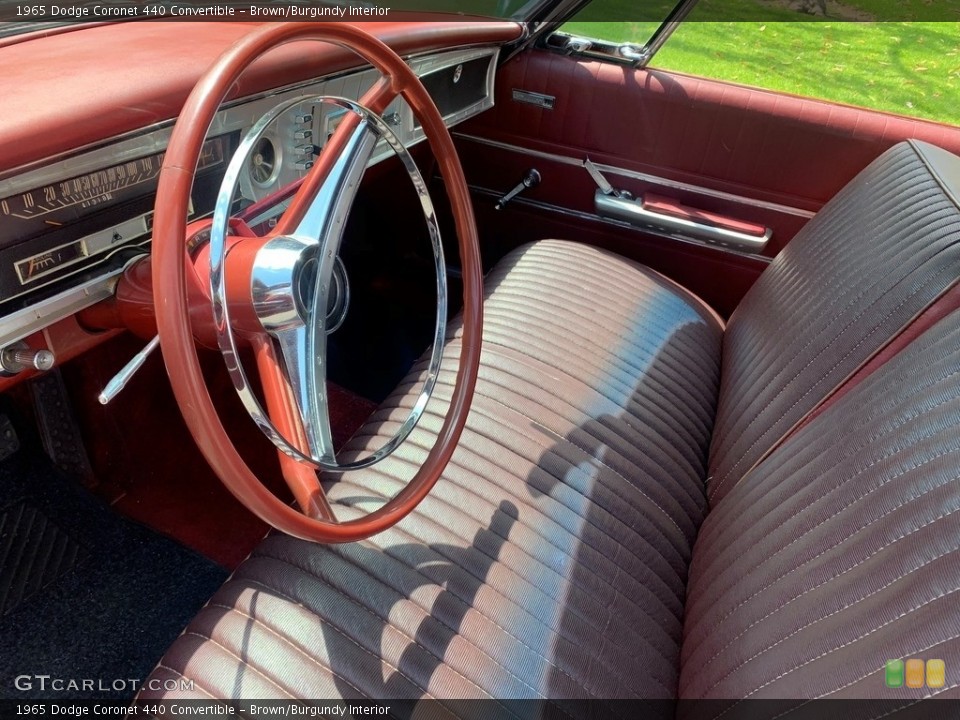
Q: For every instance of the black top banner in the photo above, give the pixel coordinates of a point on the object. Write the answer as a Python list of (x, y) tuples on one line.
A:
[(72, 11)]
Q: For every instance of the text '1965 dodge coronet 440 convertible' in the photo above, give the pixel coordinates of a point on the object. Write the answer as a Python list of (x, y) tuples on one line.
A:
[(479, 361)]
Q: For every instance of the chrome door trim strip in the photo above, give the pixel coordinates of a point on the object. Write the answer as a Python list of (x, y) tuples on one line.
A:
[(581, 215), (635, 213), (633, 175)]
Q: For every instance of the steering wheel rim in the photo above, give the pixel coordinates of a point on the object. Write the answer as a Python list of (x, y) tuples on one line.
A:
[(171, 265)]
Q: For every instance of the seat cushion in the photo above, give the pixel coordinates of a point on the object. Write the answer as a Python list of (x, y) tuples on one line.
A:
[(842, 549), (876, 255), (551, 558)]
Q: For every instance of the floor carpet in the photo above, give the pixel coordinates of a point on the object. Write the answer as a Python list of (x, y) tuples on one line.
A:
[(84, 593)]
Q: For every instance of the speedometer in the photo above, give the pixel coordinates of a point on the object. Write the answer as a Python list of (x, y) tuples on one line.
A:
[(86, 191), (59, 203)]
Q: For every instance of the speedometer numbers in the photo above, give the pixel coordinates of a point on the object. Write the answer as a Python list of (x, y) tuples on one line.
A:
[(85, 191), (95, 188), (64, 226)]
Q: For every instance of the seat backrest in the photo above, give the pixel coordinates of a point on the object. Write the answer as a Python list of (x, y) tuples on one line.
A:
[(841, 550), (873, 258)]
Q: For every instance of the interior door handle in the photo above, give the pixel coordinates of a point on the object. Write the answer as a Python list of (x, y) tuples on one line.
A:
[(663, 214)]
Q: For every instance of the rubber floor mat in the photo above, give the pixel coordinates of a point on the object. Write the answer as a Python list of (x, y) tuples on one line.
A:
[(34, 553)]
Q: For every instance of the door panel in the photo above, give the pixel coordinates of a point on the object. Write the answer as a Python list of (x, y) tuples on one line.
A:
[(753, 155)]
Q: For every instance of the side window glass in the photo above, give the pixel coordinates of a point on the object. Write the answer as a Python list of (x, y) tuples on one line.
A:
[(907, 68)]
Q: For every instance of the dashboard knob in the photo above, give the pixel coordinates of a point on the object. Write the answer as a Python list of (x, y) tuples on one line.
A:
[(19, 357)]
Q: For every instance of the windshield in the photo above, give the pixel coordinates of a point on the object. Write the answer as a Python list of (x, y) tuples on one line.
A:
[(17, 17)]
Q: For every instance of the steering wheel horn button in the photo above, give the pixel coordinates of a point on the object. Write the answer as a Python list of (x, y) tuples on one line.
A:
[(273, 283)]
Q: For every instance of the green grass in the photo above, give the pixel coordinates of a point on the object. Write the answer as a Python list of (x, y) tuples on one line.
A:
[(909, 68)]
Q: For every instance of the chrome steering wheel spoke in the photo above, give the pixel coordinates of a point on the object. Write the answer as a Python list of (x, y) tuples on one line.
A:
[(301, 332), (311, 399)]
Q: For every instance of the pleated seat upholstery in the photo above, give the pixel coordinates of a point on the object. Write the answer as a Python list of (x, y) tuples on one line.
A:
[(874, 257), (550, 560), (842, 549), (561, 555)]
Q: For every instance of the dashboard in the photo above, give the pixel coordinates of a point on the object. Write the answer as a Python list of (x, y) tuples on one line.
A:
[(71, 224)]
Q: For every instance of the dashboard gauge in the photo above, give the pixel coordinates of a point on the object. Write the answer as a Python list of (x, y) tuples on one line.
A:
[(263, 162), (52, 206), (50, 261), (86, 190)]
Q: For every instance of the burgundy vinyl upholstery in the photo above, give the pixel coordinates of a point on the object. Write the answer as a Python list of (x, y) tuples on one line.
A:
[(876, 255), (552, 558), (842, 549)]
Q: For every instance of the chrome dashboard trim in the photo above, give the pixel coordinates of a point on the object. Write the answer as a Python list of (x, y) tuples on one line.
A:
[(18, 325), (153, 138), (436, 64), (634, 175), (28, 288), (98, 243)]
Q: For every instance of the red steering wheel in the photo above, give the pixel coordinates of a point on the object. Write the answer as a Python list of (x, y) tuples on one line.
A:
[(174, 304)]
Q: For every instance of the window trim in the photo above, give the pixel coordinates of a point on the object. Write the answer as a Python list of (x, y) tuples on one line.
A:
[(548, 36)]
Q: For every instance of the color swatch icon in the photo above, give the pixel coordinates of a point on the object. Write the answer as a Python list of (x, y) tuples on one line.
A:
[(894, 673), (936, 673), (915, 673)]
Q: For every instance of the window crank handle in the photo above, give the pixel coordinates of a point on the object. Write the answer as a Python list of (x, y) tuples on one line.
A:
[(531, 179)]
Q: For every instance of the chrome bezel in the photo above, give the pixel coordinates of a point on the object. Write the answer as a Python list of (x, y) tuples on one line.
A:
[(221, 310)]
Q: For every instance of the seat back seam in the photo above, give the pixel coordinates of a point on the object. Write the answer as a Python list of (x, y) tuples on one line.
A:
[(946, 302)]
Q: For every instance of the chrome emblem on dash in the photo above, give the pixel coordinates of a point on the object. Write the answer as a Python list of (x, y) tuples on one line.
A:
[(457, 73)]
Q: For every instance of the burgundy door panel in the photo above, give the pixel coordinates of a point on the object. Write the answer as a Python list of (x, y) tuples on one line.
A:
[(773, 147), (565, 184), (752, 155)]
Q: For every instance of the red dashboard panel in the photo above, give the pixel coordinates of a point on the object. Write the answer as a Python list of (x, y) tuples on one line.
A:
[(76, 87), (70, 90)]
